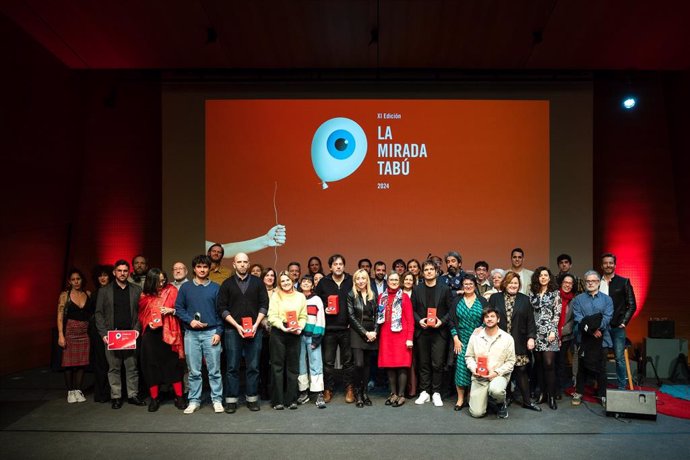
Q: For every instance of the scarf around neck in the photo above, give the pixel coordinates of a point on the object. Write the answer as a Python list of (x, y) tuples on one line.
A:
[(396, 310)]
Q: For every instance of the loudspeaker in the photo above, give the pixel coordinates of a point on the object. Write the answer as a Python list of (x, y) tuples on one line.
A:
[(624, 403), (661, 329), (664, 354)]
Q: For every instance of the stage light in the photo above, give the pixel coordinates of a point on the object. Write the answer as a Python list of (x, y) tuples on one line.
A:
[(629, 103)]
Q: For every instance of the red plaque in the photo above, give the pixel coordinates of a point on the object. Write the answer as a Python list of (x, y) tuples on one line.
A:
[(122, 340)]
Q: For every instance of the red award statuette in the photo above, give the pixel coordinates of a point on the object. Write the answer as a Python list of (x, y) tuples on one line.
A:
[(431, 317), (333, 306), (247, 327), (291, 319), (482, 366)]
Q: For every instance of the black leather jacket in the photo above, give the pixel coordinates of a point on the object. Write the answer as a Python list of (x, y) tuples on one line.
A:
[(362, 314), (624, 303)]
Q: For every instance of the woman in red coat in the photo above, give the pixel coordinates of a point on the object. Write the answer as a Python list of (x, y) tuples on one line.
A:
[(396, 326), (162, 349)]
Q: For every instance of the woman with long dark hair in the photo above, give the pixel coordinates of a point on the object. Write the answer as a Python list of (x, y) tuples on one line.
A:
[(75, 309), (546, 301), (314, 266), (162, 348), (565, 373)]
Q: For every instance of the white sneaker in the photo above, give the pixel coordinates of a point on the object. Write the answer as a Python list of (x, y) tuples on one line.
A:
[(437, 400), (71, 398), (191, 408), (79, 396), (218, 407), (423, 398)]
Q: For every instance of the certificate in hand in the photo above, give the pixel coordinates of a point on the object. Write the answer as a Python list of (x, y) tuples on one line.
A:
[(122, 340)]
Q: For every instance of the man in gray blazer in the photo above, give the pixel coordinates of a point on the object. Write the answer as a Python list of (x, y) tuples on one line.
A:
[(118, 308)]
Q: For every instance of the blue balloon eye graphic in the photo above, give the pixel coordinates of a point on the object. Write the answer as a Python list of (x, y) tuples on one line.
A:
[(338, 149)]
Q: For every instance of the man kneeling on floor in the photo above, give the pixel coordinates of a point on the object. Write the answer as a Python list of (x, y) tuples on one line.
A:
[(490, 357)]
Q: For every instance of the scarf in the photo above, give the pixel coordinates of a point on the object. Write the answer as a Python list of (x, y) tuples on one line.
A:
[(396, 310), (149, 316), (566, 297)]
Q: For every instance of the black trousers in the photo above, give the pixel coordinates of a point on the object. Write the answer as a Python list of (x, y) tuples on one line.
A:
[(331, 341), (99, 366), (583, 372), (362, 368), (284, 349), (431, 355)]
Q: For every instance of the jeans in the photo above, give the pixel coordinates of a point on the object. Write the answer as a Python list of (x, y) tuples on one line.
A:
[(311, 377), (618, 338), (197, 346), (234, 346)]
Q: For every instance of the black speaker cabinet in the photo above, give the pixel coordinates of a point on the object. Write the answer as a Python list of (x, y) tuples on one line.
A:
[(626, 403), (661, 329)]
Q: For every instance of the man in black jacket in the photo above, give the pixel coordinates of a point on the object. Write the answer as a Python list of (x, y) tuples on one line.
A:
[(431, 335), (333, 290), (242, 297), (624, 305)]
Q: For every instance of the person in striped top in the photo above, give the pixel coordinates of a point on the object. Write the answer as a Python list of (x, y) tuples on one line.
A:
[(311, 376)]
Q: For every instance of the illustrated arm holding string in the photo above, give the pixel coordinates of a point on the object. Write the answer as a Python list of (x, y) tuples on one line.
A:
[(276, 236)]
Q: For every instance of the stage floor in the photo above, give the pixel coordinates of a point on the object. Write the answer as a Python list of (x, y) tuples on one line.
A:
[(37, 422)]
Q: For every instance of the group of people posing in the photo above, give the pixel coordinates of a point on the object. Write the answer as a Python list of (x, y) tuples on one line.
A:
[(419, 325)]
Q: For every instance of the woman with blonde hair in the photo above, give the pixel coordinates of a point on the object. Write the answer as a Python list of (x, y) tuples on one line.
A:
[(286, 304), (361, 310)]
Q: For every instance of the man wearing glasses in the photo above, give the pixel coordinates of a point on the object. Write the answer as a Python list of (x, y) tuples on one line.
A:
[(592, 311)]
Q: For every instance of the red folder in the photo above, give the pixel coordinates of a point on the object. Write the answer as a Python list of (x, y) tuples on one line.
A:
[(122, 340)]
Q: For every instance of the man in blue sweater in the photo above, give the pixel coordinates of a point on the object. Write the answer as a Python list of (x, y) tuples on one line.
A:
[(196, 308)]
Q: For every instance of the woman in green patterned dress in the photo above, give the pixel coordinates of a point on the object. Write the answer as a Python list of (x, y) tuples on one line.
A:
[(464, 319)]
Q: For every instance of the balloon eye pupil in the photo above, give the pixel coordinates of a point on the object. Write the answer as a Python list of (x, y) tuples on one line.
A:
[(341, 144)]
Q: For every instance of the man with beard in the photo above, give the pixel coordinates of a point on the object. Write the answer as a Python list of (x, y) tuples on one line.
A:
[(218, 273), (454, 274), (592, 312), (335, 287), (378, 283), (242, 296), (517, 256), (624, 305), (139, 268), (179, 271), (498, 348)]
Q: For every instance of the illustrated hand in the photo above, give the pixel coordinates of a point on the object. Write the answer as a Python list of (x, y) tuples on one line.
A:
[(276, 236)]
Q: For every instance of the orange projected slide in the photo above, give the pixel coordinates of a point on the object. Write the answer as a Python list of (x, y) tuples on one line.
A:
[(381, 179)]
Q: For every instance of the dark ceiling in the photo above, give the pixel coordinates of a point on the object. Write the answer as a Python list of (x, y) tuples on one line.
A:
[(521, 35)]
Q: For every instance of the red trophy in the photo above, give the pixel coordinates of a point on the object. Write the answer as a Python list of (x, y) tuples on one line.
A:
[(431, 317), (247, 327), (291, 319), (333, 306), (482, 366)]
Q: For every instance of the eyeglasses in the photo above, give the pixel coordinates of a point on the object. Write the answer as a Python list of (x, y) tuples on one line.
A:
[(592, 281)]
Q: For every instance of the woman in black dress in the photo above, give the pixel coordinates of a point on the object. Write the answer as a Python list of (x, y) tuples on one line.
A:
[(362, 310)]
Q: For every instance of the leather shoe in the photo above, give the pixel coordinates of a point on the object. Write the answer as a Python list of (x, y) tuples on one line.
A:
[(116, 403), (532, 406), (180, 402), (154, 404), (230, 408), (327, 396), (349, 395), (552, 403), (253, 406), (542, 398), (367, 400), (135, 401)]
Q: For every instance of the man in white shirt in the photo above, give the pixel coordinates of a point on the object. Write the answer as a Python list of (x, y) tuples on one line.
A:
[(517, 256), (496, 348)]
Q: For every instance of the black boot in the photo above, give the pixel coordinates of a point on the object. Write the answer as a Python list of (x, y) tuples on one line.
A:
[(365, 396), (552, 403), (359, 402)]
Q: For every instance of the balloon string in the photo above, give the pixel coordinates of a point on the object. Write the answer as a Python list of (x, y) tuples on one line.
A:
[(275, 211)]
